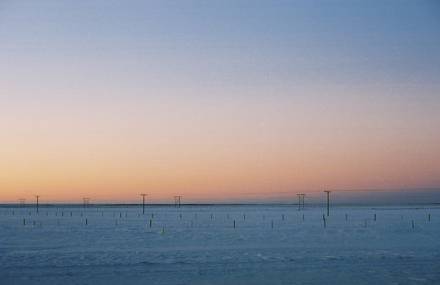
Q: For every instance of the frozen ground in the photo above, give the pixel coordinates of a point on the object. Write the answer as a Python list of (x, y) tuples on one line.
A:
[(118, 246)]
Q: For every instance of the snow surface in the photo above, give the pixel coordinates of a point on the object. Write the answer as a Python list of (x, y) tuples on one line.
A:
[(117, 246)]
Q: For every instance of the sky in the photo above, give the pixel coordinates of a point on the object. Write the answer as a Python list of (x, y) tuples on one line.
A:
[(217, 100)]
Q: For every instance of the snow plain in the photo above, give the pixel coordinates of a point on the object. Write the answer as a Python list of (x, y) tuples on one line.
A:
[(270, 244)]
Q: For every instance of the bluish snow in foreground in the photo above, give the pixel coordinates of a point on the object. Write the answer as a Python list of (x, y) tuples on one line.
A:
[(118, 246)]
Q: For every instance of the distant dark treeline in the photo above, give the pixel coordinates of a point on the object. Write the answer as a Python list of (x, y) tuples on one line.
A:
[(293, 205)]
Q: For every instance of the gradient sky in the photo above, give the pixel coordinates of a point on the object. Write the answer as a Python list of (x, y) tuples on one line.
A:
[(217, 100)]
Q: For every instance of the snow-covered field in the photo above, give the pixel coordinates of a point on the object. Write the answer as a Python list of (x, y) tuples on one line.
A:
[(199, 245)]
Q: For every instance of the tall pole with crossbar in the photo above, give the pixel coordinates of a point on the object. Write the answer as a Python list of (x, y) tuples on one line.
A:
[(328, 202), (143, 203), (37, 197)]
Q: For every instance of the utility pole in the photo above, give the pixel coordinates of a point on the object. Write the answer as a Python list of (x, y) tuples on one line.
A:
[(177, 200), (85, 202), (22, 202), (303, 196), (301, 200), (143, 203), (328, 202), (37, 196)]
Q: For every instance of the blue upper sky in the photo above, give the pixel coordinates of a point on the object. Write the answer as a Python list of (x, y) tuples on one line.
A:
[(231, 42)]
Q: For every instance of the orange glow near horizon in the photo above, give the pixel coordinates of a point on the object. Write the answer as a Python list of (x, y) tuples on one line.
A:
[(210, 159)]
